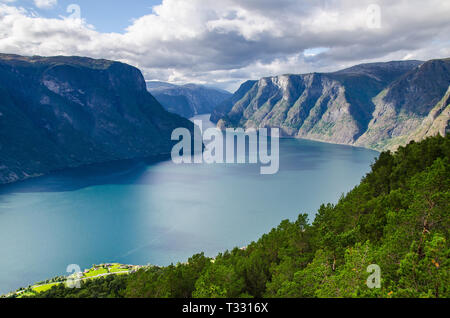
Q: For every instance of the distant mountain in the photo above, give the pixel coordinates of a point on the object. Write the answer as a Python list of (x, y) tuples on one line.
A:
[(60, 112), (187, 100), (377, 105)]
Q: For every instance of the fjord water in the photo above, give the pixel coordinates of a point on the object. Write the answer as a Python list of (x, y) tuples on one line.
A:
[(156, 212)]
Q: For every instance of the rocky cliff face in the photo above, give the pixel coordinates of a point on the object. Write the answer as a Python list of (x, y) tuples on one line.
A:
[(366, 105), (61, 112), (187, 100), (408, 105)]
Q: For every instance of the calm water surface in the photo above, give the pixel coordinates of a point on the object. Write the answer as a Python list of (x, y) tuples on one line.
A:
[(159, 212)]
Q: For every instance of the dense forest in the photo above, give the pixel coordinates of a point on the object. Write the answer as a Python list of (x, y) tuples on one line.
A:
[(397, 218)]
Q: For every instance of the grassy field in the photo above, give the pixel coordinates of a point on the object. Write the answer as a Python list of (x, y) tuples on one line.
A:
[(117, 268), (96, 272), (93, 273), (43, 288)]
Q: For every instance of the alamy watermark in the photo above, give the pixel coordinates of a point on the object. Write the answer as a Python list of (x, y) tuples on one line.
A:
[(74, 10), (74, 280), (374, 279), (229, 148), (373, 13)]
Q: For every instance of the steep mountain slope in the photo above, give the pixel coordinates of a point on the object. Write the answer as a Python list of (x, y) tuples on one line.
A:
[(342, 107), (58, 112), (223, 108), (437, 121), (187, 100), (415, 99)]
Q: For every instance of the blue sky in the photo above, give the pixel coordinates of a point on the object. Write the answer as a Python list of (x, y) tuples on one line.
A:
[(104, 15)]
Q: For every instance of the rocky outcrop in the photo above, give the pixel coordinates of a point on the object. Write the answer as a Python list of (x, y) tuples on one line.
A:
[(366, 105), (60, 112), (187, 100)]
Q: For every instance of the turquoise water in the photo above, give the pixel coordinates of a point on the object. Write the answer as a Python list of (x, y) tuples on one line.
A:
[(144, 212)]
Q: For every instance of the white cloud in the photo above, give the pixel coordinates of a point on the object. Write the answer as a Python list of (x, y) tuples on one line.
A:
[(45, 4), (226, 42)]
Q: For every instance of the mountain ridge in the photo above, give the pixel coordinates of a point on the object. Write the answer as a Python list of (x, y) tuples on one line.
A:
[(62, 112), (338, 107), (187, 100)]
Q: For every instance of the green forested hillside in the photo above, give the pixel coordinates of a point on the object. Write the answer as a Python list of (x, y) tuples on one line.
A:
[(397, 218)]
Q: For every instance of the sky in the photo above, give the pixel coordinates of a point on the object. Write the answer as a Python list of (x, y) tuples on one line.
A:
[(223, 43)]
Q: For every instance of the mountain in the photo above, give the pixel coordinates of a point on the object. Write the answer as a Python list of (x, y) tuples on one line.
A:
[(414, 106), (187, 100), (60, 112), (376, 105)]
